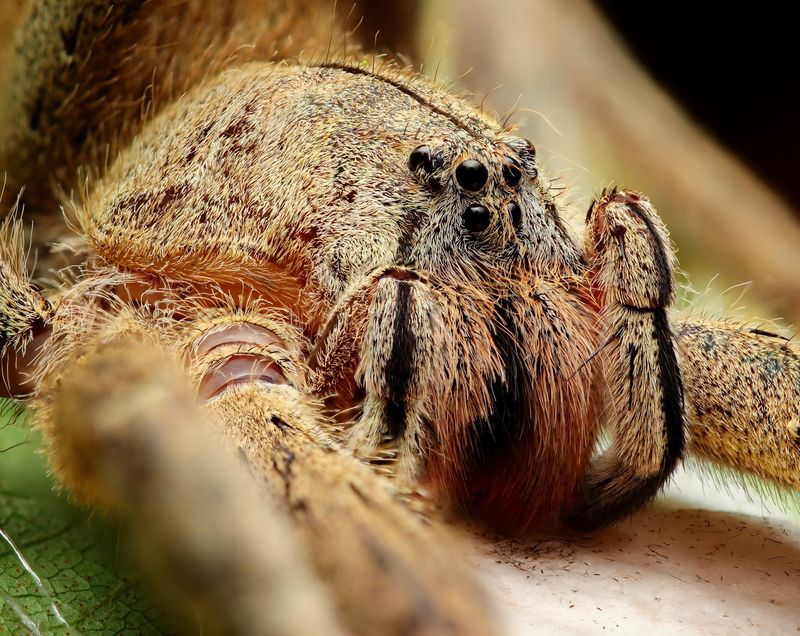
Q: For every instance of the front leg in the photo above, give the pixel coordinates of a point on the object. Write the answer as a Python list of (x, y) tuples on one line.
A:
[(632, 274)]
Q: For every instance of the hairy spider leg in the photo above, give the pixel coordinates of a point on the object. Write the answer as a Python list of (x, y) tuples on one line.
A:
[(125, 422), (632, 271), (743, 390)]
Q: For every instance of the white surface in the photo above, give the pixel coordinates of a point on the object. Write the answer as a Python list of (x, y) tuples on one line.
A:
[(697, 562)]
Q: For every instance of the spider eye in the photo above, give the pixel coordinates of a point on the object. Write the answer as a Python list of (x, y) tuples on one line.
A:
[(422, 162), (512, 173), (421, 159), (515, 213), (476, 218), (472, 175)]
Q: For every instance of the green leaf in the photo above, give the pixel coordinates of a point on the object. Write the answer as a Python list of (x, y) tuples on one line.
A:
[(60, 572)]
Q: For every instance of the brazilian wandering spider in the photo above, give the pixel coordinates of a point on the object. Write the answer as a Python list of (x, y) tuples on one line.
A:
[(293, 276)]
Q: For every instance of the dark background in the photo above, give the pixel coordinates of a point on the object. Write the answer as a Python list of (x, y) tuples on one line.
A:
[(734, 69)]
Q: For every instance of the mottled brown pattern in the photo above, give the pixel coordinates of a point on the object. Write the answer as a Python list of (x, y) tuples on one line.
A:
[(744, 391)]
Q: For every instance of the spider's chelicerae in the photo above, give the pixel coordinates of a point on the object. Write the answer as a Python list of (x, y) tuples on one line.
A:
[(294, 280)]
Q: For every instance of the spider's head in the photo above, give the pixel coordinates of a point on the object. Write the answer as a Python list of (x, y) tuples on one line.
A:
[(418, 178)]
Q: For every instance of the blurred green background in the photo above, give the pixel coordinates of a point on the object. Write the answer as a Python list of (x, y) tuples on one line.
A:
[(62, 570)]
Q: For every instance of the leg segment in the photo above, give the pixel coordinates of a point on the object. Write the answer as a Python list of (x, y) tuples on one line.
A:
[(389, 573), (128, 429), (743, 390), (632, 272)]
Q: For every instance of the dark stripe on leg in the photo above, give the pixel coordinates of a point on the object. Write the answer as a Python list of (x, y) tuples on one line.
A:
[(401, 362), (614, 490), (494, 436), (661, 253), (672, 386)]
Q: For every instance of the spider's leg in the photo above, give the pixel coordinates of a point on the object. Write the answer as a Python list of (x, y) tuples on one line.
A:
[(632, 272), (743, 394), (128, 429), (24, 313), (389, 572)]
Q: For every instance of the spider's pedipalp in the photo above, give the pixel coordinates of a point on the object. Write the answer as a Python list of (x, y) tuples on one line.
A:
[(419, 378), (632, 269), (395, 374), (743, 393)]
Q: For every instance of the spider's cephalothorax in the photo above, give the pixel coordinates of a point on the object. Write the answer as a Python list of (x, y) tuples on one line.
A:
[(330, 260)]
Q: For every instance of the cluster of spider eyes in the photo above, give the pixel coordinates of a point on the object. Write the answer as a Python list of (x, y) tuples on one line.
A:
[(471, 175)]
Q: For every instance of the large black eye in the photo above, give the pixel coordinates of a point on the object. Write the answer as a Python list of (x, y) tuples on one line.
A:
[(512, 173), (515, 213), (421, 159), (476, 218), (472, 175)]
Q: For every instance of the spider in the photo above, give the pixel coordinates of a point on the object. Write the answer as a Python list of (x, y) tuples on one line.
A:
[(312, 298)]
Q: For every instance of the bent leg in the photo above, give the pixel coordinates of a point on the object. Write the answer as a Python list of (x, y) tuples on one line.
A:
[(632, 272)]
